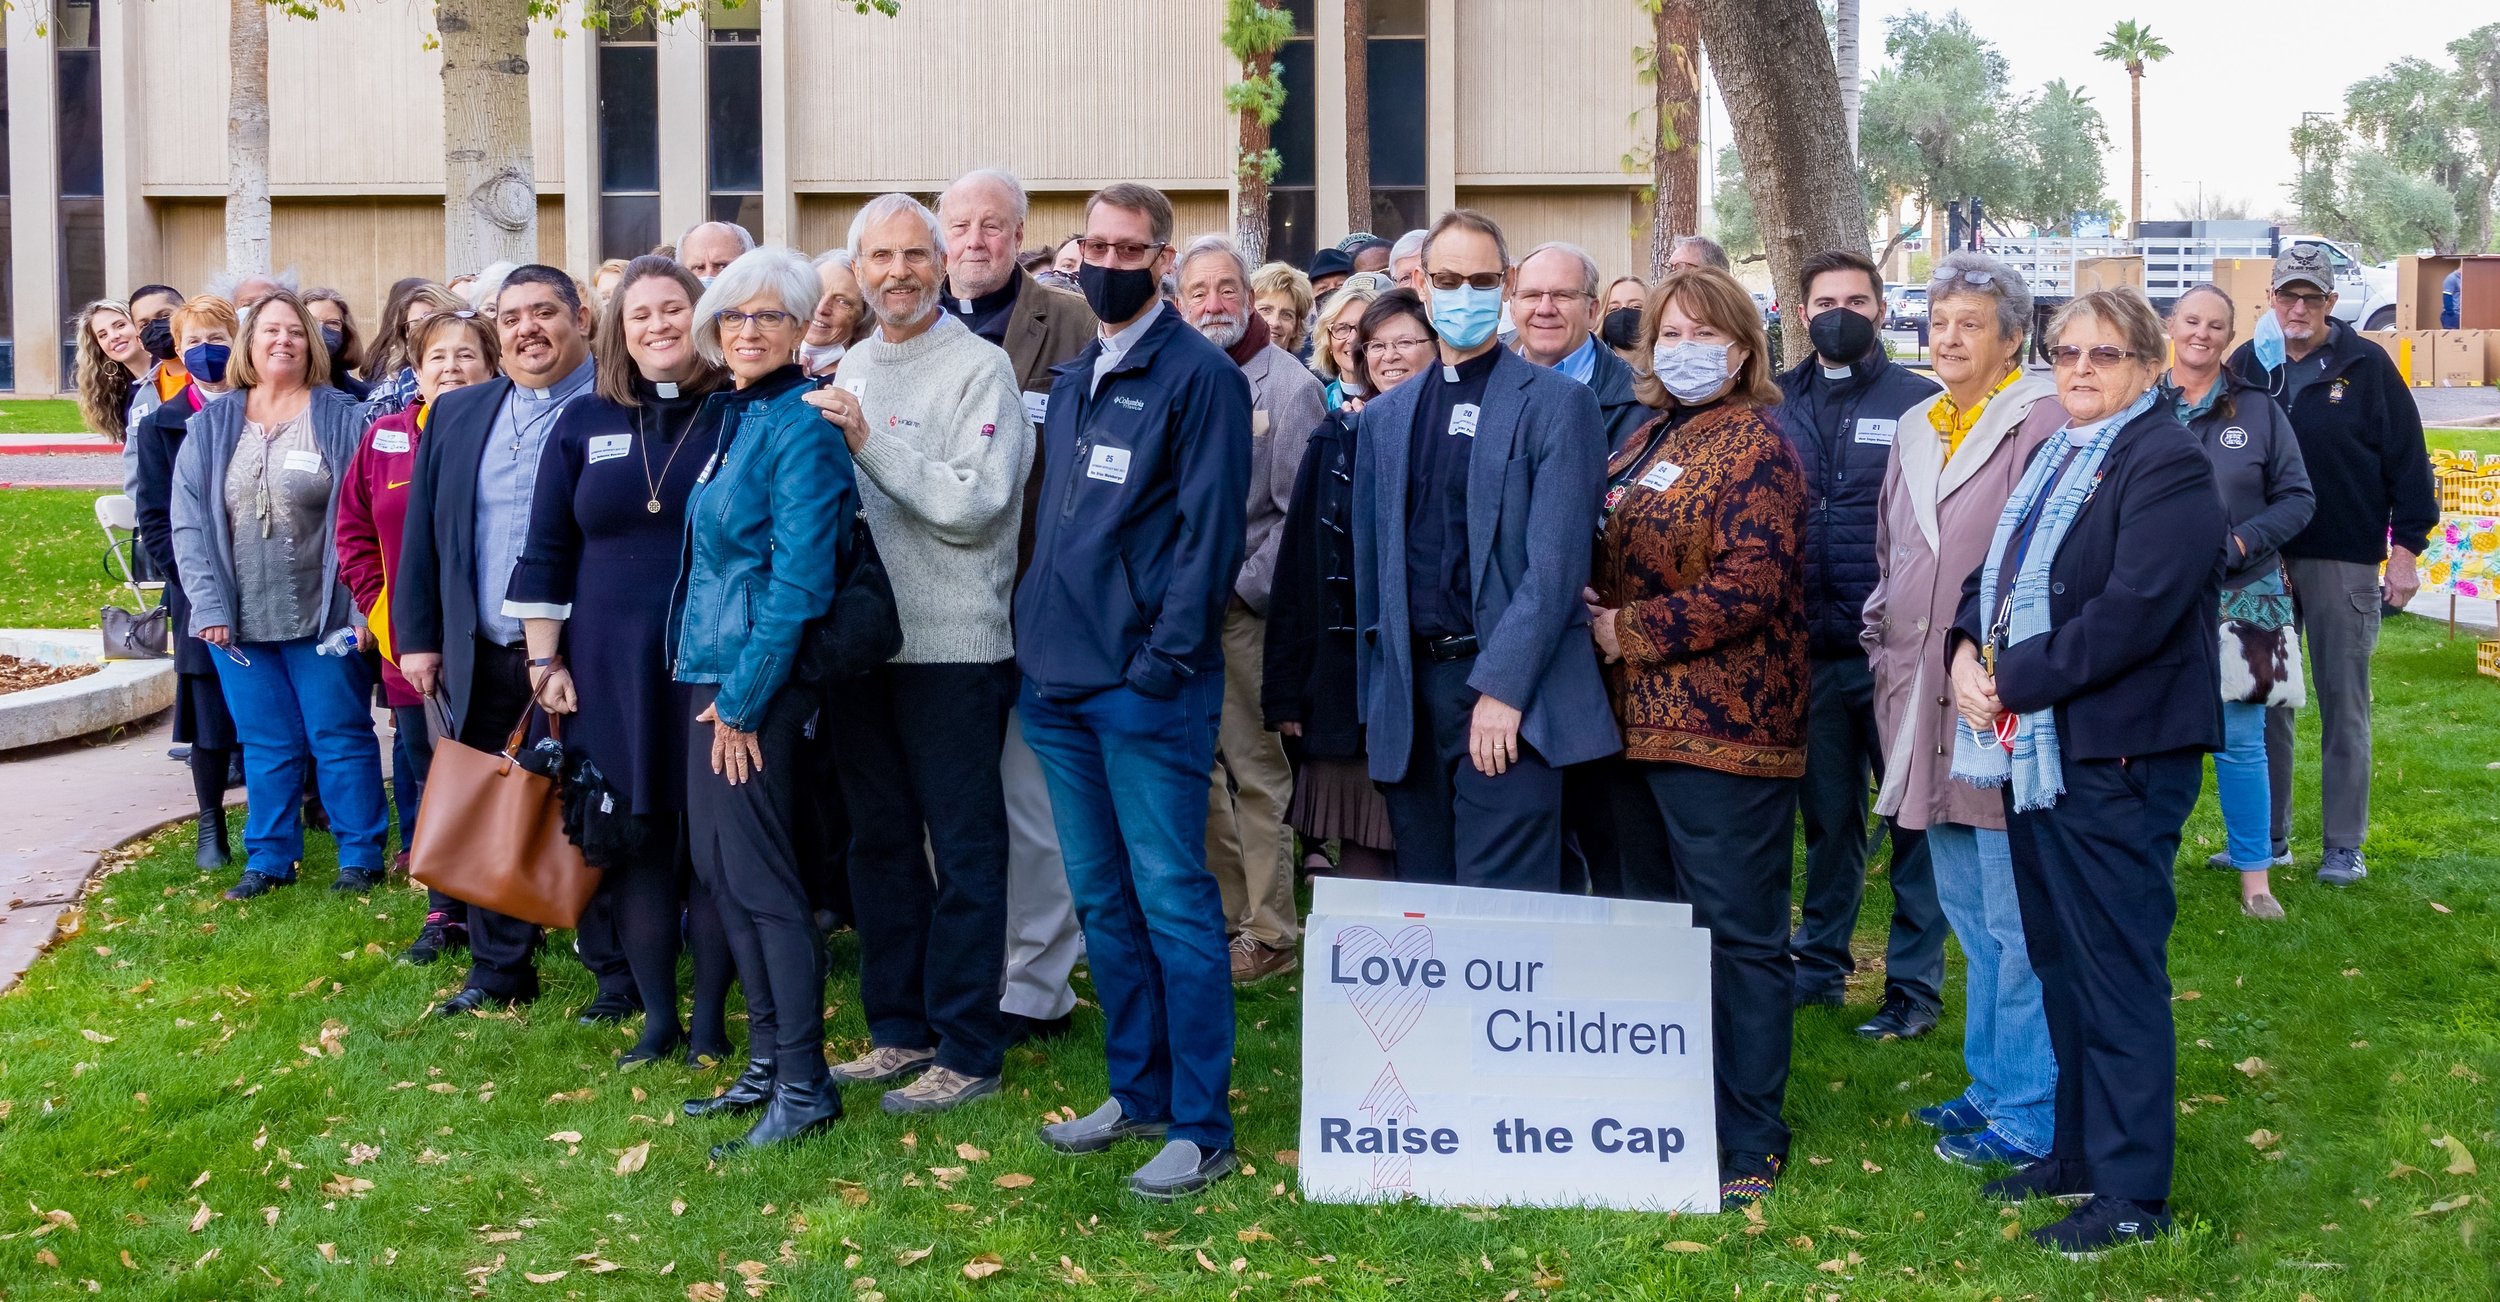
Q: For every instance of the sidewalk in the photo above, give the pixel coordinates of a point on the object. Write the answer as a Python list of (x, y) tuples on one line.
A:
[(64, 805), (28, 444)]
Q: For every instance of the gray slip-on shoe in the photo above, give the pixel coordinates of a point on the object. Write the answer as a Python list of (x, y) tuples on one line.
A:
[(1181, 1169), (1098, 1130)]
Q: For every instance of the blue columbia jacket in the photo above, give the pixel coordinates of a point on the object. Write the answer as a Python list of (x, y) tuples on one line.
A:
[(1139, 534), (765, 534)]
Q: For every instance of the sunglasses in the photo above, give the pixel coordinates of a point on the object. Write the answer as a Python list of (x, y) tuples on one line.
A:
[(2064, 356), (1480, 280)]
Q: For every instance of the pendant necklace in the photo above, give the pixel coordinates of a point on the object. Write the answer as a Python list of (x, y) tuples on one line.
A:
[(642, 444)]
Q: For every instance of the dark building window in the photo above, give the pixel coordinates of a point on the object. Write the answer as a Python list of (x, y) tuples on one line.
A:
[(734, 135), (80, 68), (629, 141), (1395, 57), (1292, 201)]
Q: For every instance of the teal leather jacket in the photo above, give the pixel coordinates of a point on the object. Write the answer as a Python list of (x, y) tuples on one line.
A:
[(766, 530)]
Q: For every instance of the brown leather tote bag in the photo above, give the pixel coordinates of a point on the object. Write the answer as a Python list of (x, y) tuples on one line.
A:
[(491, 833)]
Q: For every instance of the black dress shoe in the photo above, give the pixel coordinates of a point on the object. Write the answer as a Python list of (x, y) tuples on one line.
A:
[(253, 886), (435, 939), (357, 881), (475, 1000), (609, 1008), (2052, 1179), (1820, 998), (745, 1094), (652, 1048), (1900, 1020), (795, 1112), (212, 853), (1022, 1029)]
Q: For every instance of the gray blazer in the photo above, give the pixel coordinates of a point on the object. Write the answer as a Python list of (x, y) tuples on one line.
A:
[(1285, 407), (1536, 474), (203, 539)]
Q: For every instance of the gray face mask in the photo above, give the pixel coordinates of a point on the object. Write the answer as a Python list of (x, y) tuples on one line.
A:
[(1693, 372)]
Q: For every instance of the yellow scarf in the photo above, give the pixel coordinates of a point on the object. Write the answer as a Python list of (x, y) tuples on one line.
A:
[(1956, 424)]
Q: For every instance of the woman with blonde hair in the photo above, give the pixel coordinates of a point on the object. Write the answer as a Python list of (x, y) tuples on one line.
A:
[(1336, 340), (1281, 295)]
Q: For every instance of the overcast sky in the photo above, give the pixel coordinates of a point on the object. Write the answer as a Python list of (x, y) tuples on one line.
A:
[(2219, 111)]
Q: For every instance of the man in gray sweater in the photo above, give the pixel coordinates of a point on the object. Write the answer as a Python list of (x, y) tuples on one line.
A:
[(1248, 848), (937, 431)]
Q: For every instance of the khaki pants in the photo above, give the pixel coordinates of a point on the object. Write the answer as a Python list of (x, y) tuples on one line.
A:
[(1248, 848)]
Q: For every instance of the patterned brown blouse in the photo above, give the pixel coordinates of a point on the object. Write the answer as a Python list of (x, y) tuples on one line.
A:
[(1700, 553)]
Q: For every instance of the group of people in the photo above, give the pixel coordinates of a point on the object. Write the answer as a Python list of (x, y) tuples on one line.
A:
[(1526, 579)]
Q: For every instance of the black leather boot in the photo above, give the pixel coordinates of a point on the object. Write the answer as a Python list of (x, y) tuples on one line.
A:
[(745, 1094), (212, 851), (797, 1110)]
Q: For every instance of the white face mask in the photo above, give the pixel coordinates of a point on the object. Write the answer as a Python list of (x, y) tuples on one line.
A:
[(816, 357), (1693, 372)]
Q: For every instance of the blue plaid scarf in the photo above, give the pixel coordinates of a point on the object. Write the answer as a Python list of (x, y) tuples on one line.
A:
[(2035, 766)]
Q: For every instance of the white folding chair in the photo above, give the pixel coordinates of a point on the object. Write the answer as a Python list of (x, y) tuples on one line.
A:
[(118, 516)]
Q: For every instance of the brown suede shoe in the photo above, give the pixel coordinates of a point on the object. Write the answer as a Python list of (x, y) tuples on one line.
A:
[(1254, 961)]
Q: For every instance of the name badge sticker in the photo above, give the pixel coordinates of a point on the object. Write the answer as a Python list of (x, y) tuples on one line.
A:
[(854, 385), (1463, 419), (390, 440), (307, 462), (608, 447), (1875, 431), (1108, 464), (1662, 476), (1036, 406), (1258, 424)]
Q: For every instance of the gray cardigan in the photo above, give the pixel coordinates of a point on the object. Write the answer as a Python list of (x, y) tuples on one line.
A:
[(2264, 484), (203, 538)]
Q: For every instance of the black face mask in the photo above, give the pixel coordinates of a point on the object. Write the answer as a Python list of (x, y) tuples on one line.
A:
[(157, 336), (332, 338), (1840, 335), (1115, 293), (1621, 329)]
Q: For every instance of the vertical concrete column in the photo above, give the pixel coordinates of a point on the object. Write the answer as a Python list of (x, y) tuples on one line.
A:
[(35, 199), (578, 68), (685, 168), (781, 213), (1441, 106), (129, 227), (1335, 216)]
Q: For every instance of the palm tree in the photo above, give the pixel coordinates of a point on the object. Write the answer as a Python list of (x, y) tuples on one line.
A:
[(2133, 45), (1845, 54)]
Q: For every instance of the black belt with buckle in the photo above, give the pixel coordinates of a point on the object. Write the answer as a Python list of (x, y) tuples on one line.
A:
[(1442, 650)]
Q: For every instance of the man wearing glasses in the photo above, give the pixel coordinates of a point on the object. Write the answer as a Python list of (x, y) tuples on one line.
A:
[(1247, 847), (1119, 634), (1475, 504), (1556, 309), (2362, 440)]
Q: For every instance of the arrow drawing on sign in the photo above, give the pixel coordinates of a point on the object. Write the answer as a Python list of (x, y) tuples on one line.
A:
[(1391, 1007), (1389, 1105)]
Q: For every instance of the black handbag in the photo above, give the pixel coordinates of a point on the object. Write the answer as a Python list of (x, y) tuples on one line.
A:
[(145, 635), (862, 630)]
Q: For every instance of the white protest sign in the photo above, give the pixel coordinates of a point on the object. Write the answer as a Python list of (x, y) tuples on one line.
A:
[(1467, 1046)]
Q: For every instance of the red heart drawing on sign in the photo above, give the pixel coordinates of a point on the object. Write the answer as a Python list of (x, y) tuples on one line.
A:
[(1391, 1006)]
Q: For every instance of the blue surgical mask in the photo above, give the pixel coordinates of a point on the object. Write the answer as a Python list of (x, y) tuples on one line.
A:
[(207, 362), (1466, 316), (2269, 341), (1693, 372)]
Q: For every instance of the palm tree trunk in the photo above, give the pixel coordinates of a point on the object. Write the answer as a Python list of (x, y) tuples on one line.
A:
[(1675, 155), (247, 138), (2135, 145), (1358, 114), (490, 187), (1845, 54)]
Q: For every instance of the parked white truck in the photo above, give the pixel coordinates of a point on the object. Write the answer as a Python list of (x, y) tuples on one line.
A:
[(2366, 295)]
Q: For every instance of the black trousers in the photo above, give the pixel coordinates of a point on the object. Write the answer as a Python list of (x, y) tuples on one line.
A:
[(500, 947), (1608, 817), (2093, 876), (1726, 853), (640, 900), (1843, 756), (918, 753), (1453, 824), (744, 848)]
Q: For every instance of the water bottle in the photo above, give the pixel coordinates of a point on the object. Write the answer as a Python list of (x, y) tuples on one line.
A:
[(340, 643)]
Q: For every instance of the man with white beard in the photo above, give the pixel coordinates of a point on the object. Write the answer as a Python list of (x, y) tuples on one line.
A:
[(1248, 849)]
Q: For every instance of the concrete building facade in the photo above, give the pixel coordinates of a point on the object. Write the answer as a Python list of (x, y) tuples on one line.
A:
[(785, 115)]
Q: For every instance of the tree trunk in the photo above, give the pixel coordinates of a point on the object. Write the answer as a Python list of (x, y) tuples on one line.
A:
[(247, 138), (1675, 153), (2135, 147), (490, 185), (1845, 53), (1358, 115), (1250, 221), (1782, 93)]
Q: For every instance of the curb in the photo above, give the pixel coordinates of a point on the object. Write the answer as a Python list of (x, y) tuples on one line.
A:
[(10, 912)]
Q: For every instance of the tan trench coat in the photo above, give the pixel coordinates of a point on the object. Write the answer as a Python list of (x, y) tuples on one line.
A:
[(1932, 529)]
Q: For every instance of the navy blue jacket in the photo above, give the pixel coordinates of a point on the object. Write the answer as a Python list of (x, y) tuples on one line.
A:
[(1844, 443), (2361, 440), (1617, 405), (2258, 472), (2132, 660), (1140, 530)]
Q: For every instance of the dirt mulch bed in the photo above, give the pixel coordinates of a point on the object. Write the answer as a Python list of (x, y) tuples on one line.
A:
[(18, 675)]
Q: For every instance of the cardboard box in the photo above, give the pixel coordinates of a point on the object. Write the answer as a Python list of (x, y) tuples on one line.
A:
[(2491, 356), (2487, 659), (2460, 358), (2093, 274), (2397, 346), (2423, 344), (2417, 290), (2247, 281)]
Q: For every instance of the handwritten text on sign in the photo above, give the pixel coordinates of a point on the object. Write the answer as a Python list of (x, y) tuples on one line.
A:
[(1515, 1058)]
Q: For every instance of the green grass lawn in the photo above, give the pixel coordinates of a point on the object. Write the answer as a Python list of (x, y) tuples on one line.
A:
[(53, 555), (239, 1100), (40, 416), (2485, 441)]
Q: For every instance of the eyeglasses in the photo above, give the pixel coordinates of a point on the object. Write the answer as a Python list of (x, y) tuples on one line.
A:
[(1384, 347), (1558, 297), (1480, 280), (918, 255), (1967, 277), (1124, 253), (2309, 301), (236, 655), (2064, 356), (1342, 330), (733, 320)]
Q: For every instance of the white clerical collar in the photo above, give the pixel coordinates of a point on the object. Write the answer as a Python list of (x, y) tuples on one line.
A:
[(1449, 373), (1837, 373), (664, 388)]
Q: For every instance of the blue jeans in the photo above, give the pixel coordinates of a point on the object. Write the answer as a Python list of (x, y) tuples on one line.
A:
[(2005, 1029), (293, 705), (1128, 789), (2241, 788)]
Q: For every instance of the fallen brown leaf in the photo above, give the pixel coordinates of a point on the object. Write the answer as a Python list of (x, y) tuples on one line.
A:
[(2262, 1139), (1204, 1263), (548, 1278), (913, 1256), (983, 1266), (2253, 1066), (706, 1291), (1013, 1180), (565, 1137), (970, 1154), (2460, 1162), (1257, 1233), (632, 1159), (201, 1218), (1686, 1245)]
